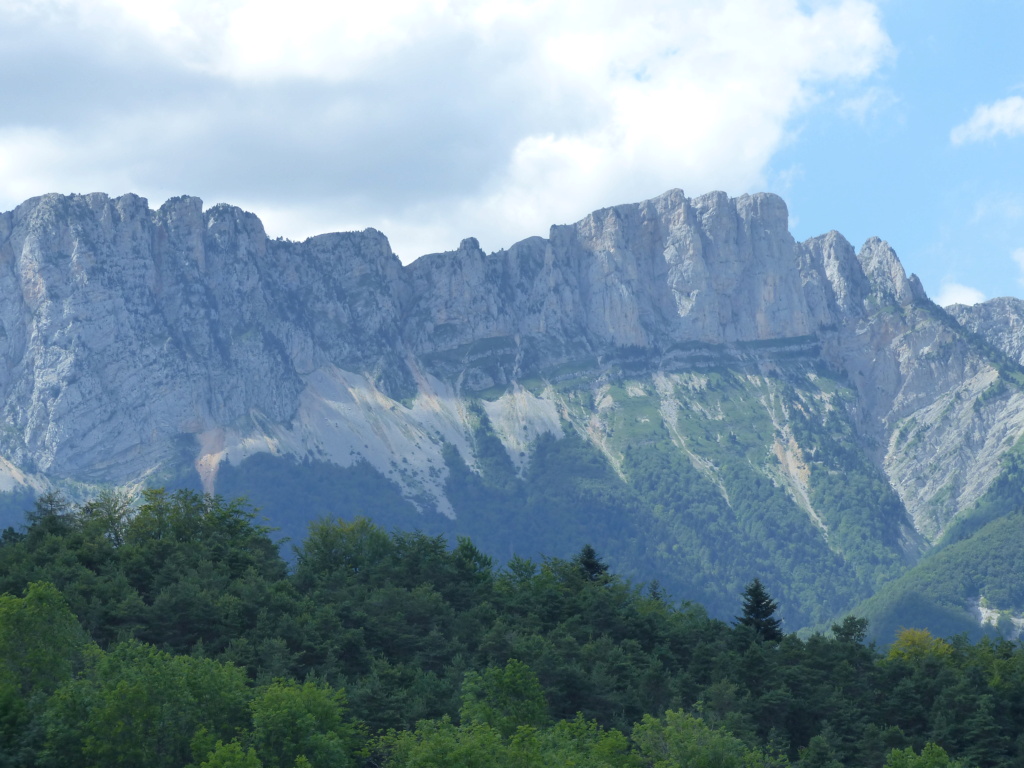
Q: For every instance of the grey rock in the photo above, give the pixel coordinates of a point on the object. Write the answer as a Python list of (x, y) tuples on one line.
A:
[(135, 340), (999, 321), (124, 328)]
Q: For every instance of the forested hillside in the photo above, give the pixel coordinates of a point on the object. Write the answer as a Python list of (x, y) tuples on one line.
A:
[(174, 634), (702, 532), (975, 572), (677, 382)]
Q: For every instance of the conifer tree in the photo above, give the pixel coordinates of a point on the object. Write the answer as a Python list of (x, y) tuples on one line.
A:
[(590, 564), (759, 613)]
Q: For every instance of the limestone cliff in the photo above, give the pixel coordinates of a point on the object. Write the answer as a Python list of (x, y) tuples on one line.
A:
[(136, 340), (999, 321)]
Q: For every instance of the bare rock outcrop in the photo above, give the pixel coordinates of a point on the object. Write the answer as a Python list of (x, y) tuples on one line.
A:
[(132, 339), (999, 321)]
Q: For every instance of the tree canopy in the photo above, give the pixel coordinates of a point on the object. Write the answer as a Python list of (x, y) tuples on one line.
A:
[(171, 633), (759, 613)]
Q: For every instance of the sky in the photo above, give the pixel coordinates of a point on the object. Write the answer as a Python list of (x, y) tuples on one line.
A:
[(436, 120)]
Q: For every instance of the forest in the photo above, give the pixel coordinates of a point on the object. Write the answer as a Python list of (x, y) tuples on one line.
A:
[(652, 516), (170, 632)]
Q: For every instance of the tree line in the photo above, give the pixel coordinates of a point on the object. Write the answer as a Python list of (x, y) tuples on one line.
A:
[(171, 632)]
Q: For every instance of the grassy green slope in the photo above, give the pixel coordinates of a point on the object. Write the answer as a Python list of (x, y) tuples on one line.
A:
[(821, 535), (677, 478), (980, 559), (940, 593)]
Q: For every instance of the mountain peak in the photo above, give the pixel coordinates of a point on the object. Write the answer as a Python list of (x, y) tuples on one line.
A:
[(883, 268), (135, 342)]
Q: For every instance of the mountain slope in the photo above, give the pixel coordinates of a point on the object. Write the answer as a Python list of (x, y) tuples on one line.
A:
[(972, 581), (677, 381)]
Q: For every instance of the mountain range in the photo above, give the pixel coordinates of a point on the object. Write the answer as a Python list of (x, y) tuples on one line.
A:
[(677, 382)]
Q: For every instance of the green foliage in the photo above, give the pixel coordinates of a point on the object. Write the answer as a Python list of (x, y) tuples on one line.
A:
[(504, 698), (590, 564), (937, 592), (182, 569), (821, 751), (979, 558), (191, 558), (292, 720), (851, 630), (136, 705), (440, 742), (442, 658), (759, 613), (1004, 496), (702, 521), (41, 641), (678, 738), (576, 743), (732, 519), (932, 756), (863, 513), (42, 646), (231, 755)]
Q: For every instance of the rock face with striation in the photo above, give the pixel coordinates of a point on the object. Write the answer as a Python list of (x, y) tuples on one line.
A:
[(663, 271), (137, 341), (999, 321), (124, 328)]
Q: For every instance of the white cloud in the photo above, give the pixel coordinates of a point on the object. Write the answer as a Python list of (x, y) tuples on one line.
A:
[(990, 120), (868, 105), (33, 162), (429, 119), (955, 293)]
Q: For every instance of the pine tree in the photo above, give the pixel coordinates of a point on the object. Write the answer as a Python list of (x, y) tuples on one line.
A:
[(759, 613), (590, 564)]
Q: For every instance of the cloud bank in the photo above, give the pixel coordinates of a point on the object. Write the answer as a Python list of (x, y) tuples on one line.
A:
[(1005, 117), (431, 120), (955, 293)]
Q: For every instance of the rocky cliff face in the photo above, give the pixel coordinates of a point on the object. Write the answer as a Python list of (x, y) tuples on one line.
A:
[(675, 276), (133, 340), (999, 321), (667, 270), (124, 328)]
